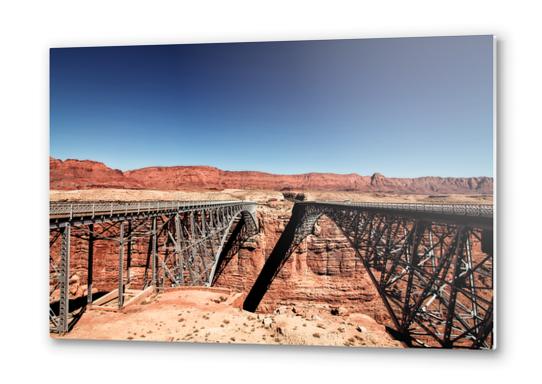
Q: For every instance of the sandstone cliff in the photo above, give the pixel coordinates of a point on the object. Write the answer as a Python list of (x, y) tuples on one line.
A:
[(323, 270), (85, 174)]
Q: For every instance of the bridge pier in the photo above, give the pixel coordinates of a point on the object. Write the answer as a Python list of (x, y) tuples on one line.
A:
[(178, 244), (129, 253), (64, 302), (121, 267), (154, 269), (90, 265)]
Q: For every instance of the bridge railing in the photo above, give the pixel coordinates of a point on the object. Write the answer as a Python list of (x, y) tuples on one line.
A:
[(74, 209), (479, 210)]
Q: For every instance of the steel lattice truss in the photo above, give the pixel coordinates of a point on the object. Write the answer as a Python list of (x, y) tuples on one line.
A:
[(184, 242), (433, 271)]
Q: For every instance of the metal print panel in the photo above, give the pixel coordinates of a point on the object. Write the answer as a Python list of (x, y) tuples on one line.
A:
[(335, 193)]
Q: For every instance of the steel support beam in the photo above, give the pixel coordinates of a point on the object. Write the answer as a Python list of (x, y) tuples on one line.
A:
[(90, 266), (129, 253), (121, 266), (64, 280), (178, 242), (154, 269)]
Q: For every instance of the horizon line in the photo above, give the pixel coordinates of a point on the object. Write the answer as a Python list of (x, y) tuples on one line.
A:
[(270, 173)]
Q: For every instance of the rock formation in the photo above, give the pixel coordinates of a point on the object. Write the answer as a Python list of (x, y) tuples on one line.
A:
[(86, 174), (322, 271)]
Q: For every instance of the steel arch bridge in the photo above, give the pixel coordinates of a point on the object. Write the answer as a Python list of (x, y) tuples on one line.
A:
[(184, 239), (432, 265)]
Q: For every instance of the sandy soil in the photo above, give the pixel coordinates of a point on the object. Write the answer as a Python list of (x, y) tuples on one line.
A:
[(136, 194), (210, 316), (258, 196), (399, 198)]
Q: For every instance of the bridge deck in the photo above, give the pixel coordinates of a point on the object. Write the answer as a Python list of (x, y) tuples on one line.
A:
[(477, 210), (60, 212), (470, 214)]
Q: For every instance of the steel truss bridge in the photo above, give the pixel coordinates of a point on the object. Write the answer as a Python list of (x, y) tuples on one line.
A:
[(184, 242), (432, 265)]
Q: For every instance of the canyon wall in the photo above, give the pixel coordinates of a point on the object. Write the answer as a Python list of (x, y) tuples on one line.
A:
[(85, 174), (323, 270)]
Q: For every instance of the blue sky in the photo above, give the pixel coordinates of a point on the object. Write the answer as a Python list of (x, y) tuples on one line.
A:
[(402, 107)]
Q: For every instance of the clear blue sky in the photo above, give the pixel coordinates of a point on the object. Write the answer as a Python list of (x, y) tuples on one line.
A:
[(403, 107)]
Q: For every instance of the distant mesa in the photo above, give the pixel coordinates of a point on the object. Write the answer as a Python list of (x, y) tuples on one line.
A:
[(86, 174), (377, 179)]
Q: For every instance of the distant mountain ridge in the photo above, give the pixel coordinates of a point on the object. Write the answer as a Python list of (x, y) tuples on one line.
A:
[(87, 174)]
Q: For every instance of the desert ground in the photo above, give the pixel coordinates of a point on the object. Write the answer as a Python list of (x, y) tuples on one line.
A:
[(259, 196), (212, 316)]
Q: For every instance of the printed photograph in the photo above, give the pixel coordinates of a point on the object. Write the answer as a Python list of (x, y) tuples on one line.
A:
[(320, 193)]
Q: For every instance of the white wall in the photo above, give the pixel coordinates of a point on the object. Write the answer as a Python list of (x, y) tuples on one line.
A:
[(28, 29)]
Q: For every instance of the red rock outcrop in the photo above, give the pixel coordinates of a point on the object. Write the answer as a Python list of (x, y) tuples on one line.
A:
[(322, 271), (86, 174)]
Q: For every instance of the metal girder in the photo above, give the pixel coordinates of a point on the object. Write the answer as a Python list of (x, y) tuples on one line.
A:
[(59, 320), (178, 242), (121, 266), (154, 269), (90, 264), (432, 291)]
